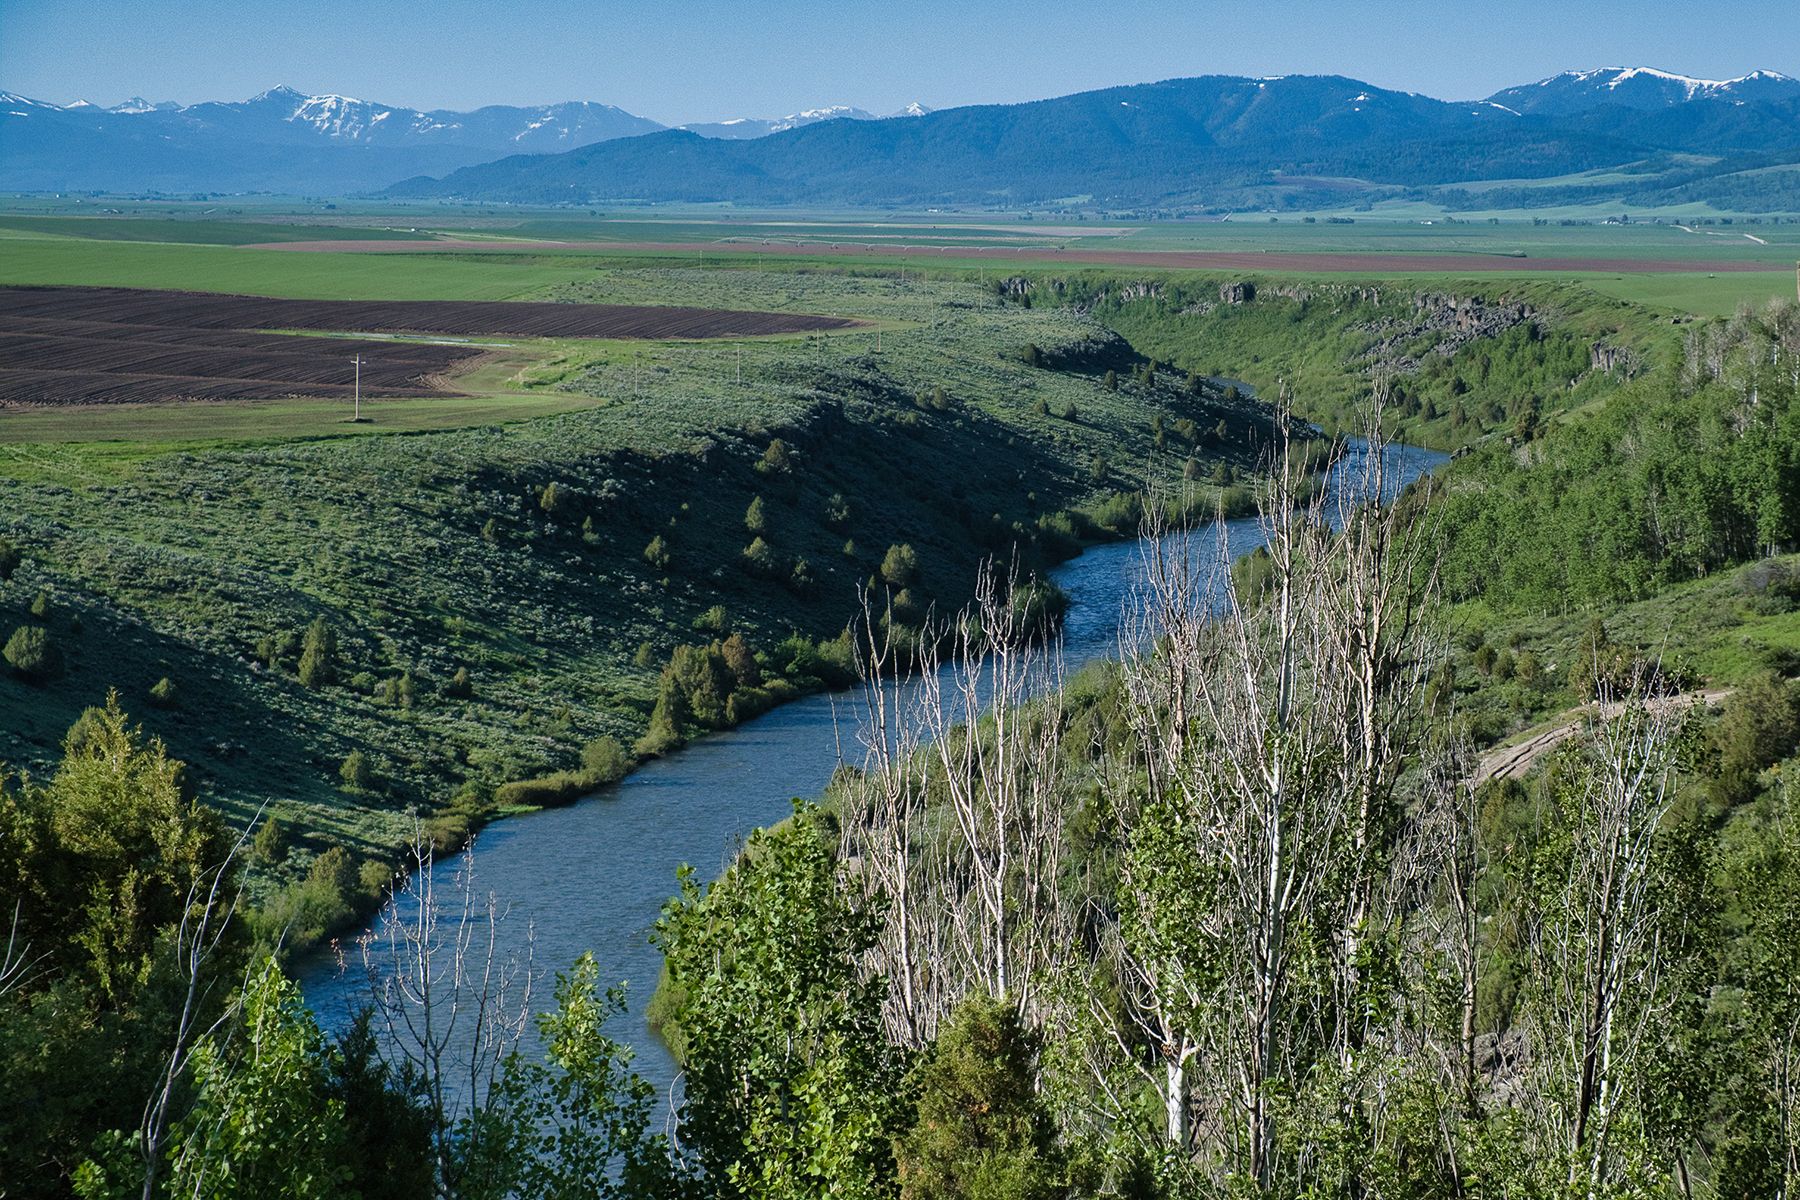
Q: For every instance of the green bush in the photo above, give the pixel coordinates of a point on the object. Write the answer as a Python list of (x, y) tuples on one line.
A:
[(756, 517), (900, 566), (777, 459), (741, 661), (40, 605), (604, 760), (981, 1129), (356, 772), (801, 580), (657, 553), (760, 559), (271, 844), (459, 687), (31, 653), (9, 559), (318, 655), (163, 694)]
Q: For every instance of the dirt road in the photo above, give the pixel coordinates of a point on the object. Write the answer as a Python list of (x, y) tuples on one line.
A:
[(1512, 762)]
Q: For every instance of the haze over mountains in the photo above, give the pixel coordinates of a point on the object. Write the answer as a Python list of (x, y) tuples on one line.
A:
[(285, 140), (1649, 137)]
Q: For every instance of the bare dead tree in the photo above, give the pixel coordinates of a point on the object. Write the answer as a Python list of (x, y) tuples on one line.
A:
[(206, 921), (1449, 925), (1595, 942), (958, 820), (1273, 728), (16, 959), (452, 1003)]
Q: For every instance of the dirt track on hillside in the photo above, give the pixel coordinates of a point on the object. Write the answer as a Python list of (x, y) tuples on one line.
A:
[(1200, 260), (1511, 762)]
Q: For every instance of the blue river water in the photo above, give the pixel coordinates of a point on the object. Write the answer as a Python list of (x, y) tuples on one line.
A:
[(593, 876)]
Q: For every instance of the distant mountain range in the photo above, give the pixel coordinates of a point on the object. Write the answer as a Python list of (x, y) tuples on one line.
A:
[(1634, 135), (745, 128), (284, 140)]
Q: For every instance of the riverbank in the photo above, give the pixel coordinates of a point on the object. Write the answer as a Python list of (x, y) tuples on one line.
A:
[(594, 875)]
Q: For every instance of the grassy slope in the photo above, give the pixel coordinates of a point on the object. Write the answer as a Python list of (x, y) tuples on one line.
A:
[(1712, 632), (177, 561), (1320, 339)]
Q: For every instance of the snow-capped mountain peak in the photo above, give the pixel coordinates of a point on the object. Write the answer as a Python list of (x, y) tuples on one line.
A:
[(743, 128), (1642, 88), (915, 109)]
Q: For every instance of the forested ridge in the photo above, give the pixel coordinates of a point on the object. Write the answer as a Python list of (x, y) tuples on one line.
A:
[(1227, 918)]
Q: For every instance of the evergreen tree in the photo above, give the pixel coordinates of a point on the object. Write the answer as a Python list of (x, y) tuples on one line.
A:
[(900, 566), (318, 655), (31, 653), (981, 1130)]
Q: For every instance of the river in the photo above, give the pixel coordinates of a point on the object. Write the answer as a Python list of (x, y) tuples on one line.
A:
[(594, 875)]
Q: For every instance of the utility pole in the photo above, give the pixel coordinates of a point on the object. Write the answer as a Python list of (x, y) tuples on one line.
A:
[(356, 410)]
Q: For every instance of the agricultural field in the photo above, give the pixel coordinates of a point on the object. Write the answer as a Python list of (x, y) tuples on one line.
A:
[(518, 553), (77, 346)]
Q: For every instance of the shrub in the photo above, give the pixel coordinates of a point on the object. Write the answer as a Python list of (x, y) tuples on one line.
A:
[(668, 720), (399, 691), (162, 694), (776, 460), (553, 499), (714, 620), (704, 680), (837, 511), (657, 553), (459, 687), (645, 656), (31, 653), (356, 772), (271, 845), (741, 661), (9, 559), (1111, 381), (318, 655), (1070, 413), (375, 877), (982, 1131), (900, 566), (800, 579), (759, 558), (604, 760), (40, 605), (756, 517), (544, 792)]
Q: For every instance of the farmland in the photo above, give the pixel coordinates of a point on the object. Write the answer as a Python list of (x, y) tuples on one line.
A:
[(73, 346)]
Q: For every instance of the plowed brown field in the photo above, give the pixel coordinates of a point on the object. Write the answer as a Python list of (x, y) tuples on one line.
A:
[(120, 345)]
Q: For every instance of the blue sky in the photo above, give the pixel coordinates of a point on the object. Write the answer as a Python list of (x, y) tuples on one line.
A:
[(678, 62)]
